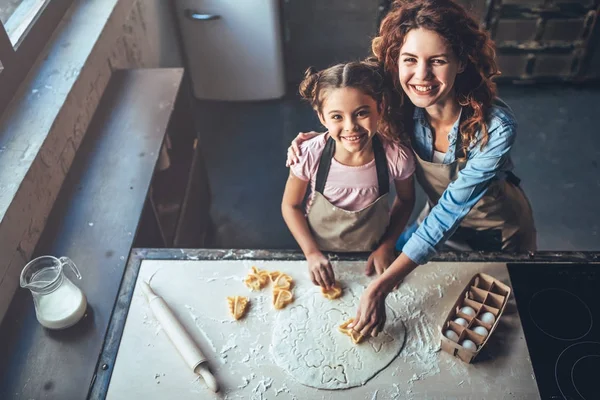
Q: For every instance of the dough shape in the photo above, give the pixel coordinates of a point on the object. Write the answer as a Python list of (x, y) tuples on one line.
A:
[(356, 337), (238, 306), (334, 374), (264, 277), (307, 345), (282, 281), (333, 293), (257, 279), (281, 298), (273, 275)]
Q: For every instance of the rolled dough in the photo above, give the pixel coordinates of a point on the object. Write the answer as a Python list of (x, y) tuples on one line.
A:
[(307, 344)]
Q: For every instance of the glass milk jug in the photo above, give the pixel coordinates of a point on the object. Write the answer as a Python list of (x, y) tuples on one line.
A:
[(58, 302)]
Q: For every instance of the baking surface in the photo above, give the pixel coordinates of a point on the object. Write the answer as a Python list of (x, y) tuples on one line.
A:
[(148, 366)]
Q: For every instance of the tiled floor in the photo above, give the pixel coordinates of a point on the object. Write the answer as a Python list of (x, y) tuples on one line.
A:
[(556, 155)]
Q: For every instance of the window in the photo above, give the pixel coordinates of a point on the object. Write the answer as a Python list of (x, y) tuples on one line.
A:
[(25, 27)]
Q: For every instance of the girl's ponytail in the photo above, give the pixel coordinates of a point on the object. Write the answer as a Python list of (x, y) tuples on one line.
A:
[(309, 85)]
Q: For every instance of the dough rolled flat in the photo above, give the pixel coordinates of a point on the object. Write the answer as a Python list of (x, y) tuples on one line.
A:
[(307, 344)]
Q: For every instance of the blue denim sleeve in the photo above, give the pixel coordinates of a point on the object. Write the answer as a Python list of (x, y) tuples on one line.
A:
[(483, 166)]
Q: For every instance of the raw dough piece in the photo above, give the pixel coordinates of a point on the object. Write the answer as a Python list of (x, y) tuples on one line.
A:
[(273, 275), (281, 298), (356, 337), (237, 306), (281, 281), (253, 282), (257, 279), (333, 293), (307, 345), (263, 275)]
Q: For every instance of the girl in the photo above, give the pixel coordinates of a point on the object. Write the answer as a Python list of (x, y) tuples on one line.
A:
[(349, 169), (441, 65)]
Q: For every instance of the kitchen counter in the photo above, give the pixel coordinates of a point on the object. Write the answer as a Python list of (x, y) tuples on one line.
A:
[(241, 353), (109, 339), (109, 354)]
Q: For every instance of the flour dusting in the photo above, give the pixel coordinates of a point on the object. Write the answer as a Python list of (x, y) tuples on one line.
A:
[(260, 389), (396, 394), (195, 318), (284, 389), (422, 344), (247, 380), (229, 345)]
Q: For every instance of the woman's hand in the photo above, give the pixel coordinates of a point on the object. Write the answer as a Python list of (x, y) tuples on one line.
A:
[(380, 259), (294, 150), (320, 270), (370, 317)]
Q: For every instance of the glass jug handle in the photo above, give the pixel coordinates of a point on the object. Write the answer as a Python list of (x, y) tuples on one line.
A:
[(70, 263)]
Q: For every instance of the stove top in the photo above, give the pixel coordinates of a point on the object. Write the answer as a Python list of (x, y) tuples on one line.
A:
[(560, 313)]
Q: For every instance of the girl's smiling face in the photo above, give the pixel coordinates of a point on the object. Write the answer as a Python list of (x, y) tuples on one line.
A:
[(351, 117), (427, 68)]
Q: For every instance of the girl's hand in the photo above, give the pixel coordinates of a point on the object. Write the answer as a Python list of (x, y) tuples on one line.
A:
[(294, 150), (370, 317), (380, 259), (320, 270)]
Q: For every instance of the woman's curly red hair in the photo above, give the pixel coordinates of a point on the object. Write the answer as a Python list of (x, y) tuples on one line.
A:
[(474, 87)]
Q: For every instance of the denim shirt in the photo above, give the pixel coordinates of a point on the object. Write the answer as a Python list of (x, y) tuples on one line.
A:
[(482, 168)]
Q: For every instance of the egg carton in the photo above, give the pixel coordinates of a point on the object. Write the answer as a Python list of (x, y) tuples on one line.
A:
[(484, 294)]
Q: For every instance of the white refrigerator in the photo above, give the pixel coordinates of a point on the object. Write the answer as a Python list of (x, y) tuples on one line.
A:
[(233, 48)]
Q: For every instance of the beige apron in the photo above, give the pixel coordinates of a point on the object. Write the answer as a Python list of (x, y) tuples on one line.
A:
[(501, 220), (335, 229)]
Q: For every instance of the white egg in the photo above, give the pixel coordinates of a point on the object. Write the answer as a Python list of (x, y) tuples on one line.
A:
[(469, 345), (468, 311), (480, 330), (461, 321), (488, 318), (450, 334)]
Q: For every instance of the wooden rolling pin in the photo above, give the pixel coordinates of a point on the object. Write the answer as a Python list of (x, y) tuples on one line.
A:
[(182, 341)]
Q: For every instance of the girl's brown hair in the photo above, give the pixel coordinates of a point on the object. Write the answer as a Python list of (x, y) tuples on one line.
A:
[(366, 76), (474, 87)]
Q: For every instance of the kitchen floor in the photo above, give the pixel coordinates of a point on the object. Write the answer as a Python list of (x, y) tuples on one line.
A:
[(556, 155)]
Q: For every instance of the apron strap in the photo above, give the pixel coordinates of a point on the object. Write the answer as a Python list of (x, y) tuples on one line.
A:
[(512, 178), (383, 180), (324, 165)]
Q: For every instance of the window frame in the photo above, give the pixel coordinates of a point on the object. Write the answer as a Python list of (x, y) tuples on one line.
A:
[(16, 63)]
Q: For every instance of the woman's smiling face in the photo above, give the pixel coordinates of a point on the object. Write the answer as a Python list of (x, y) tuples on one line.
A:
[(427, 68), (351, 117)]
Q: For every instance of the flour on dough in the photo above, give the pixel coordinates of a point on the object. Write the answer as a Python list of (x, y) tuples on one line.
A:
[(306, 342)]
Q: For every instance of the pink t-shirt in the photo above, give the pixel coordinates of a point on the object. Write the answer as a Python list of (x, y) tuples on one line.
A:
[(351, 188)]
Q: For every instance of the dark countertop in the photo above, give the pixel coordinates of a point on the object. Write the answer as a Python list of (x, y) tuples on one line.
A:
[(24, 350)]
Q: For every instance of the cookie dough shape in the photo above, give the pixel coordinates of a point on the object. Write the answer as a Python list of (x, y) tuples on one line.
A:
[(281, 298), (280, 280), (238, 305), (307, 345), (356, 337), (333, 293), (257, 279)]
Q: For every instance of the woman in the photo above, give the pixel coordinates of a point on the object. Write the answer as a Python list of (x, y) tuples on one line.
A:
[(440, 63)]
